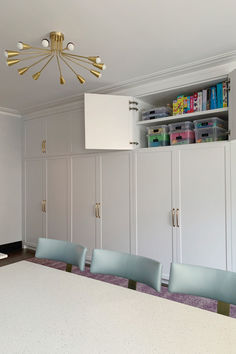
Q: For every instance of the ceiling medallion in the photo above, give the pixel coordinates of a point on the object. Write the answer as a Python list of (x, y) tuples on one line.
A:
[(53, 49)]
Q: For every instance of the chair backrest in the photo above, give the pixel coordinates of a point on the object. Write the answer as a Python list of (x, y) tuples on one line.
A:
[(202, 281), (63, 251), (135, 268)]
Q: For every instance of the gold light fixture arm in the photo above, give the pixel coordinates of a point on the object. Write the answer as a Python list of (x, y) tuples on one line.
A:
[(36, 75), (75, 62), (21, 71), (46, 64), (79, 77)]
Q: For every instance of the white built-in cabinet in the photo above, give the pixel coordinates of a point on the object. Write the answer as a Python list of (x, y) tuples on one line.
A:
[(182, 211), (173, 203)]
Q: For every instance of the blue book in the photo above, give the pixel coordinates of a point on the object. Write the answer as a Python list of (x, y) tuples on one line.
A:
[(219, 92), (188, 104), (213, 98), (204, 100)]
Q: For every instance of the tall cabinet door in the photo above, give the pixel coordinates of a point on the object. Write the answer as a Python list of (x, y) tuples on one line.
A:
[(83, 200), (201, 200), (154, 234), (57, 198), (115, 201), (34, 170)]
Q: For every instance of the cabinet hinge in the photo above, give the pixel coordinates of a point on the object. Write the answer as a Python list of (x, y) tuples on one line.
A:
[(132, 104)]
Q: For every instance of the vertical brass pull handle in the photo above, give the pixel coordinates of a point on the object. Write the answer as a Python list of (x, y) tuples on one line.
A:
[(173, 217), (44, 206), (96, 210), (177, 217), (44, 146), (99, 211)]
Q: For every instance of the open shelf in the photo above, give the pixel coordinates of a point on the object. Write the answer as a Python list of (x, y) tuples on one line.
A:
[(219, 112)]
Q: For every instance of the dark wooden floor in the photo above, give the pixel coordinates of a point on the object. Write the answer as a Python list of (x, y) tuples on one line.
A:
[(16, 256)]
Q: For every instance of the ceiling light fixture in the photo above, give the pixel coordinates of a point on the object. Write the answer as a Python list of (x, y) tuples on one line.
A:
[(53, 49)]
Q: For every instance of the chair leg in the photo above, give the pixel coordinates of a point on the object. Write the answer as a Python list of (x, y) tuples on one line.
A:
[(223, 308), (69, 268), (132, 284)]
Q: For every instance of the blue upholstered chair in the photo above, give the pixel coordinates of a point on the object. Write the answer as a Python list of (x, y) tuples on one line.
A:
[(134, 268), (62, 251), (211, 283)]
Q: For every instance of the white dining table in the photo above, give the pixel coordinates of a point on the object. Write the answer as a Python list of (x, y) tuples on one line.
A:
[(45, 310)]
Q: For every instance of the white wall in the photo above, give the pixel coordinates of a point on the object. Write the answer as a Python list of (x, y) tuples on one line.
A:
[(10, 178)]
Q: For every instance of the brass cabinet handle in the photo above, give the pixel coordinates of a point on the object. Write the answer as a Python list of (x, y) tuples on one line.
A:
[(173, 217), (177, 217), (44, 146), (99, 211), (44, 206), (96, 210)]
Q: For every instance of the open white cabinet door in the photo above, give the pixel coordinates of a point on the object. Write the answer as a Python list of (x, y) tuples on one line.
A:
[(109, 122)]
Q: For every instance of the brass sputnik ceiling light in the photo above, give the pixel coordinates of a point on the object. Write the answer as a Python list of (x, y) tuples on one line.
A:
[(53, 49)]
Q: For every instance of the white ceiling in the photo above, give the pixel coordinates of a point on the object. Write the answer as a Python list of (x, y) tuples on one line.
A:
[(133, 37)]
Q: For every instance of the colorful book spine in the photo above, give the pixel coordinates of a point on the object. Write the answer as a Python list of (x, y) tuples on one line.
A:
[(191, 104), (199, 101), (204, 100), (208, 99), (180, 102), (185, 101), (225, 94), (195, 101), (188, 104), (175, 108), (213, 98), (219, 92)]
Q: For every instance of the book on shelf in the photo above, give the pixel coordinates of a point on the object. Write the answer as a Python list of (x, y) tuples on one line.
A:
[(199, 101), (219, 93), (204, 100), (213, 104)]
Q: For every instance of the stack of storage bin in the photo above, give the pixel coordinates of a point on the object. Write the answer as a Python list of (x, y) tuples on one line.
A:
[(158, 136), (210, 129), (158, 112), (181, 133)]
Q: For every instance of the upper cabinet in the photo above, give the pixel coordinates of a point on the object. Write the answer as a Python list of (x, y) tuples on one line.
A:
[(115, 122), (110, 122), (55, 135)]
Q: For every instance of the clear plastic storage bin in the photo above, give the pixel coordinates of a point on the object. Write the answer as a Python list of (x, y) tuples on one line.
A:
[(182, 137), (160, 129), (209, 123), (155, 140), (204, 135), (174, 127), (157, 112)]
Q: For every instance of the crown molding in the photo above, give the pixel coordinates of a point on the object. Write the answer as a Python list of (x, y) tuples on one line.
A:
[(76, 102), (10, 112)]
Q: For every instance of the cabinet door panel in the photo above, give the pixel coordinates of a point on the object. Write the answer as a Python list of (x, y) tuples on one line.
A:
[(33, 201), (115, 202), (202, 204), (58, 134), (57, 196), (154, 204), (33, 137), (83, 202), (108, 122)]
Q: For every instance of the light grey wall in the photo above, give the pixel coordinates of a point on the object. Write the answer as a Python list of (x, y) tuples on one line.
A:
[(10, 178)]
